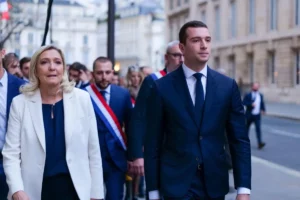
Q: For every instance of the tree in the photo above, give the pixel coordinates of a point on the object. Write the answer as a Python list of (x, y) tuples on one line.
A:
[(14, 24)]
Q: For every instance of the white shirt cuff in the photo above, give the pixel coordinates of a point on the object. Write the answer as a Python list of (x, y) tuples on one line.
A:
[(242, 190), (154, 195)]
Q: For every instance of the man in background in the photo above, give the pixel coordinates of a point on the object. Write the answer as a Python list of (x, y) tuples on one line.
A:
[(9, 88), (25, 67), (255, 106)]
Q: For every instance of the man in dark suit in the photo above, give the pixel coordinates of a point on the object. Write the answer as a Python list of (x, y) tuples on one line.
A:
[(112, 106), (9, 88), (255, 106), (191, 109), (173, 59)]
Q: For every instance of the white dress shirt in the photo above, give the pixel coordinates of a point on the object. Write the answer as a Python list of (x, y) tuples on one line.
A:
[(3, 105), (191, 83), (257, 101), (107, 93)]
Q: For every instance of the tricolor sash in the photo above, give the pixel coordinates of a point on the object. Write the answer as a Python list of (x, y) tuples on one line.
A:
[(158, 75), (107, 115), (133, 102)]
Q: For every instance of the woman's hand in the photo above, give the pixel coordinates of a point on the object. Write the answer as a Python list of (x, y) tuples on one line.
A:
[(20, 195)]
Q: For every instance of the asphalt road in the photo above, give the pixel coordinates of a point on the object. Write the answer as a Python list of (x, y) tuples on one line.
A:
[(282, 137)]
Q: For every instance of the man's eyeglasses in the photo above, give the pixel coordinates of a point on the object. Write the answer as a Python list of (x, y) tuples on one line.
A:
[(176, 55)]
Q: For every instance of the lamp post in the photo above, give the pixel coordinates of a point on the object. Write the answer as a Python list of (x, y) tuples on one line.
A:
[(111, 31)]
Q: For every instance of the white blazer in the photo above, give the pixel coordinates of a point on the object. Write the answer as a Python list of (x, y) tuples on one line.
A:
[(24, 152)]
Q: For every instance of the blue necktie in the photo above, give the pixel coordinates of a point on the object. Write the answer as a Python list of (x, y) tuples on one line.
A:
[(199, 100), (102, 92)]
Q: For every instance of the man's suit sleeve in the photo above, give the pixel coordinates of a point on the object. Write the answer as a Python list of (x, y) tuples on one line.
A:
[(263, 107), (247, 100), (239, 141), (138, 121), (128, 112), (153, 140)]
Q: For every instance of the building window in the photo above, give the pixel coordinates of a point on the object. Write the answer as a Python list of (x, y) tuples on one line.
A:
[(297, 12), (298, 67), (251, 67), (203, 16), (30, 38), (17, 37), (86, 57), (178, 2), (251, 16), (30, 53), (273, 14), (272, 67), (17, 51), (85, 40), (232, 22), (217, 62), (217, 23), (232, 66), (171, 4)]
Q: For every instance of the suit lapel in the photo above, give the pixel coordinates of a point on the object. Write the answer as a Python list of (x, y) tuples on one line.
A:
[(36, 113), (180, 84), (69, 116), (210, 93)]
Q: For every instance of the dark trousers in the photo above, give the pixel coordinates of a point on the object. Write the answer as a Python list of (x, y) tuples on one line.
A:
[(3, 184), (59, 187), (197, 190), (114, 180), (257, 121)]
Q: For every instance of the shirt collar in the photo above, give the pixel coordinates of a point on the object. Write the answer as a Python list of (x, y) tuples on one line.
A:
[(4, 79), (189, 72), (107, 90)]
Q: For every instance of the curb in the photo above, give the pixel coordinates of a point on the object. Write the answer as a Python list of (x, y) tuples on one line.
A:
[(282, 116)]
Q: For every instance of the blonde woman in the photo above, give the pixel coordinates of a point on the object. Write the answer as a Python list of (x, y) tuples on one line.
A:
[(134, 80), (52, 149)]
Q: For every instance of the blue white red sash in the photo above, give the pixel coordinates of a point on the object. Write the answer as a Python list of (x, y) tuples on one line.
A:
[(107, 115), (133, 102), (158, 75)]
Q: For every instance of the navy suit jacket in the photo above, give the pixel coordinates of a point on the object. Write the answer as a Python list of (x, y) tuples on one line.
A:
[(14, 85), (138, 120), (111, 149), (248, 101), (175, 138), (13, 90)]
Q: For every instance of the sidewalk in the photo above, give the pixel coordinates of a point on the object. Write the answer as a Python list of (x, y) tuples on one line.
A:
[(271, 182), (284, 110)]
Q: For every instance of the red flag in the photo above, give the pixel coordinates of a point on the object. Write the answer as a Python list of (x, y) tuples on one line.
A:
[(5, 16)]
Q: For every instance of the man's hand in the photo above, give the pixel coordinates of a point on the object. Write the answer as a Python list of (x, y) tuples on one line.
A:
[(243, 197), (263, 112), (20, 195), (137, 167), (83, 76)]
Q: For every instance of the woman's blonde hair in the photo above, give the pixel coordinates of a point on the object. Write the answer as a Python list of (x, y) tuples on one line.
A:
[(132, 69), (34, 82)]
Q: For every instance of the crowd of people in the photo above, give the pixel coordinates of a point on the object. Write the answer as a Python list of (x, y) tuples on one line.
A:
[(67, 132)]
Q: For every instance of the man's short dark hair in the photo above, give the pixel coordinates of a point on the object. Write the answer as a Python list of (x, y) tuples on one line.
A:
[(101, 59), (192, 24), (77, 66), (24, 60)]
